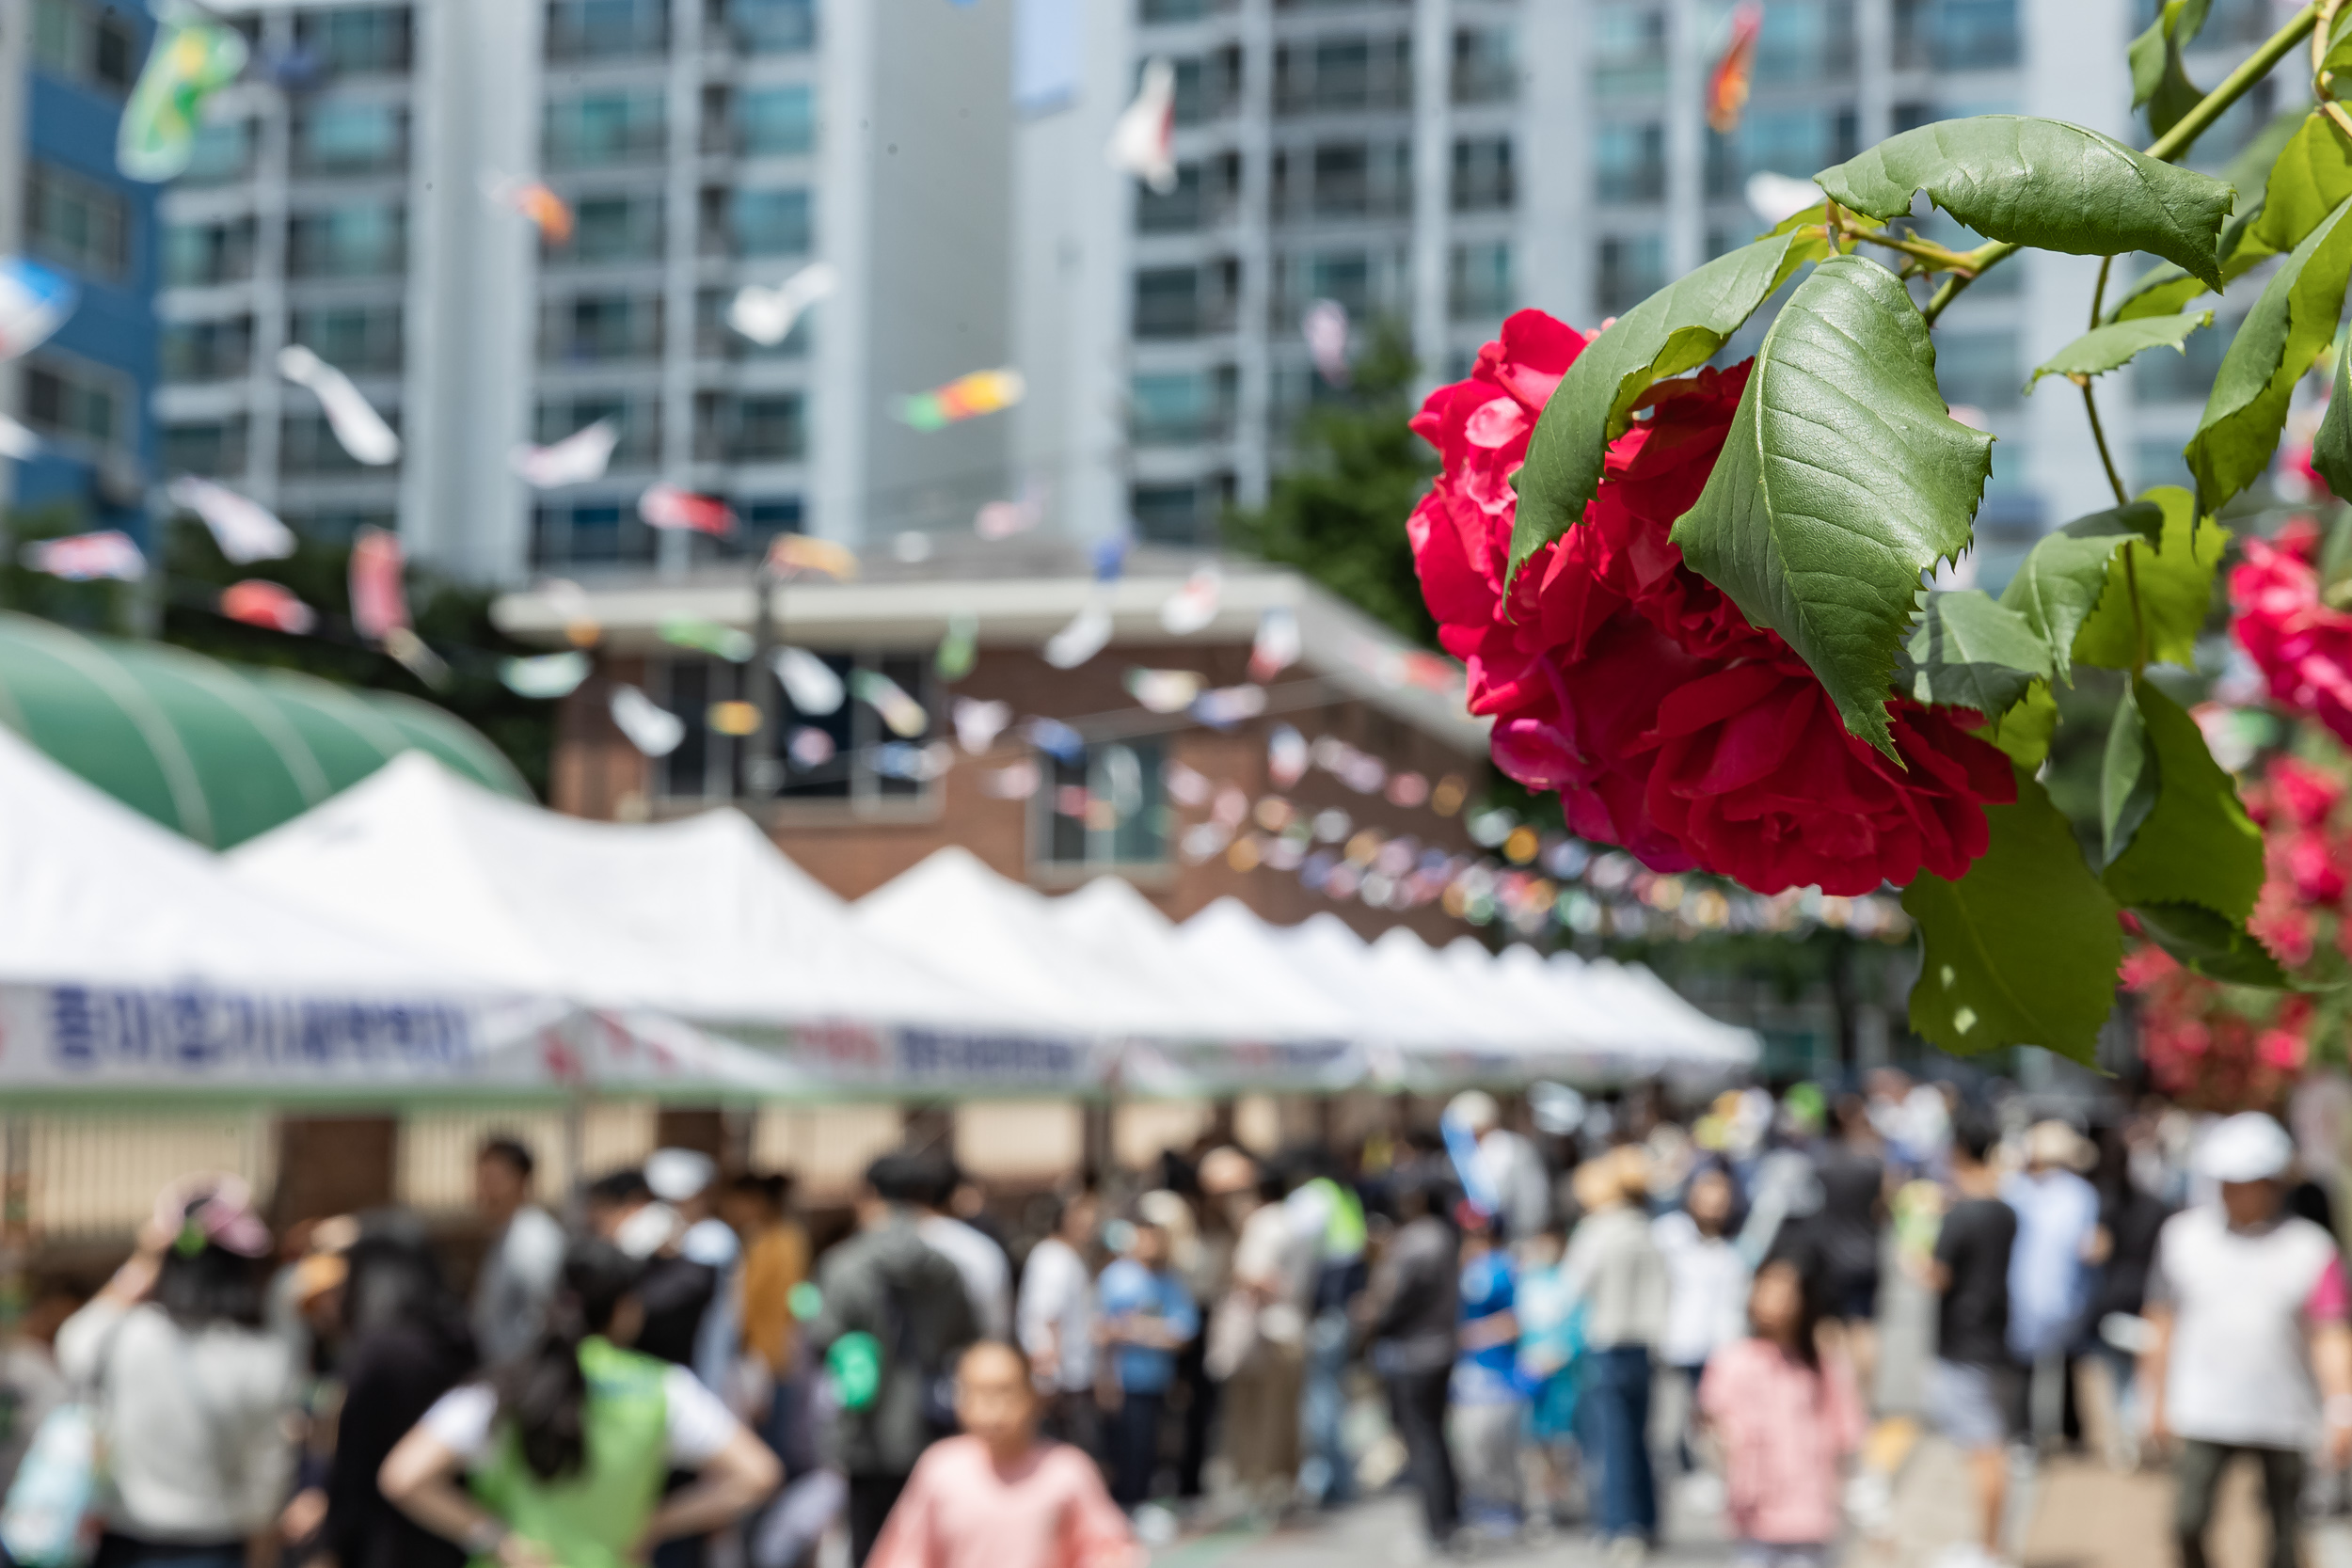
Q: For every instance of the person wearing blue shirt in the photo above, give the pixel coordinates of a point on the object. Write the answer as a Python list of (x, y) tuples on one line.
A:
[(1489, 1401), (1145, 1316)]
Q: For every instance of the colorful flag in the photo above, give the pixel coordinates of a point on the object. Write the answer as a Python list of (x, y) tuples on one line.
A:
[(1014, 782), (83, 557), (572, 607), (1727, 84), (1325, 327), (1191, 608), (1278, 644), (1056, 740), (354, 422), (733, 717), (967, 397), (34, 302), (650, 727), (689, 631), (188, 61), (1088, 634), (1143, 142), (1285, 756), (978, 723), (270, 606), (960, 649), (1228, 705), (766, 316), (546, 675), (581, 456), (548, 212), (1005, 518), (1186, 786), (667, 506), (814, 686), (379, 600), (789, 553), (1163, 690), (905, 717), (809, 746), (243, 527)]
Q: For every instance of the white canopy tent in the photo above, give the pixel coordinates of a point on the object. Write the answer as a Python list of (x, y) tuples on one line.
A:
[(131, 960)]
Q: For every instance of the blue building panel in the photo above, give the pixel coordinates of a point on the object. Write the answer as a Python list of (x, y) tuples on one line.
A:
[(74, 126)]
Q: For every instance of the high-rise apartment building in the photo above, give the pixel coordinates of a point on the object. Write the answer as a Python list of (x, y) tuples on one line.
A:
[(1432, 164), (66, 67), (356, 195)]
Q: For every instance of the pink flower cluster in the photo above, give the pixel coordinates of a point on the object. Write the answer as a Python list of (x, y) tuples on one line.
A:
[(1625, 681), (2302, 647)]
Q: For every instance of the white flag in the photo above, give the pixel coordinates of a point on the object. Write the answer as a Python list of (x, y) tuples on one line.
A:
[(813, 685), (1191, 608), (1143, 143), (1088, 634), (766, 315), (578, 458), (243, 527), (357, 424), (650, 727)]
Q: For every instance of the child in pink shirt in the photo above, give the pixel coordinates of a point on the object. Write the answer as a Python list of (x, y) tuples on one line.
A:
[(1785, 1413), (996, 1498)]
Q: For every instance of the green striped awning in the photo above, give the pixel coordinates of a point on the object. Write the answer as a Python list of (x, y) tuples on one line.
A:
[(217, 752)]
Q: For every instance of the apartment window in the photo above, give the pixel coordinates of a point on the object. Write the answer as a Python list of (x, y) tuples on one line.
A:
[(601, 29), (80, 404), (1629, 51), (715, 340), (212, 449), (1633, 268), (1168, 302), (613, 229), (1980, 369), (864, 762), (1208, 86), (1483, 181), (588, 533), (597, 130), (1485, 65), (636, 416), (749, 427), (1105, 808), (195, 254), (74, 222), (755, 222), (364, 340), (760, 122), (1180, 514), (1155, 11), (1478, 282), (1630, 164), (1790, 141), (1182, 407), (88, 44), (223, 153), (357, 40), (215, 350), (1341, 74), (368, 239), (1363, 281), (350, 137), (307, 445), (602, 329), (2185, 377), (1805, 41), (1957, 35), (1203, 197), (766, 27)]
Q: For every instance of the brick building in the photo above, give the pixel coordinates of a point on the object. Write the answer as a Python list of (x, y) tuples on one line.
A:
[(858, 820)]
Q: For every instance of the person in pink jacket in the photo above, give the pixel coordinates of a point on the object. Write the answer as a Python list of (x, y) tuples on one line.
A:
[(1785, 1411)]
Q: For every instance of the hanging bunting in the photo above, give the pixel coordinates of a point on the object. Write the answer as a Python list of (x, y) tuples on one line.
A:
[(791, 553), (270, 606), (1325, 327), (243, 530), (650, 727), (1286, 756), (1088, 634), (572, 607), (546, 675), (1193, 606), (767, 316), (978, 723), (1228, 705), (809, 746), (1727, 84), (960, 649), (1015, 781), (905, 717), (1056, 740), (814, 686), (1186, 786), (1143, 141), (87, 557), (357, 427), (35, 301), (190, 59), (967, 397), (578, 458), (1277, 645), (731, 643), (379, 598), (669, 507), (16, 441), (1163, 690), (1002, 519), (547, 211)]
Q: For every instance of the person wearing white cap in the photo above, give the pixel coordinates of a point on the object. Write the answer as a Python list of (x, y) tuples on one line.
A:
[(686, 1180), (1513, 1170), (2250, 1351)]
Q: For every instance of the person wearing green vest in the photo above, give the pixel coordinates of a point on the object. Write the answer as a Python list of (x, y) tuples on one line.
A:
[(1329, 1210), (566, 1452)]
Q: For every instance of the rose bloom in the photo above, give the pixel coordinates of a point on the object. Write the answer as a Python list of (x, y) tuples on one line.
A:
[(1636, 689), (2303, 648)]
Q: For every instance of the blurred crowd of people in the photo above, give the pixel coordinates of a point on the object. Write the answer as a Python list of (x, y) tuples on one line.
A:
[(1534, 1321)]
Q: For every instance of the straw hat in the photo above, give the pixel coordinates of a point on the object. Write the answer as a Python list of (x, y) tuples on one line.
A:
[(2056, 1143)]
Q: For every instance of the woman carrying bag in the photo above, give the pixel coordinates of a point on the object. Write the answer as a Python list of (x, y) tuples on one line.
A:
[(191, 1390), (567, 1453)]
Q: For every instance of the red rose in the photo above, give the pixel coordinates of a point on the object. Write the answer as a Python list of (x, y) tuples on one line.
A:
[(2303, 648), (1633, 687)]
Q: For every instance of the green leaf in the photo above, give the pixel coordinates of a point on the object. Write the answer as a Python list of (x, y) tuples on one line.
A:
[(2127, 780), (1674, 330), (2062, 579), (2045, 183), (1969, 651), (2197, 845), (2024, 732), (2112, 347), (2023, 948), (2202, 941), (2293, 321), (2331, 446), (2158, 79), (1841, 480), (2309, 179), (2175, 589)]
